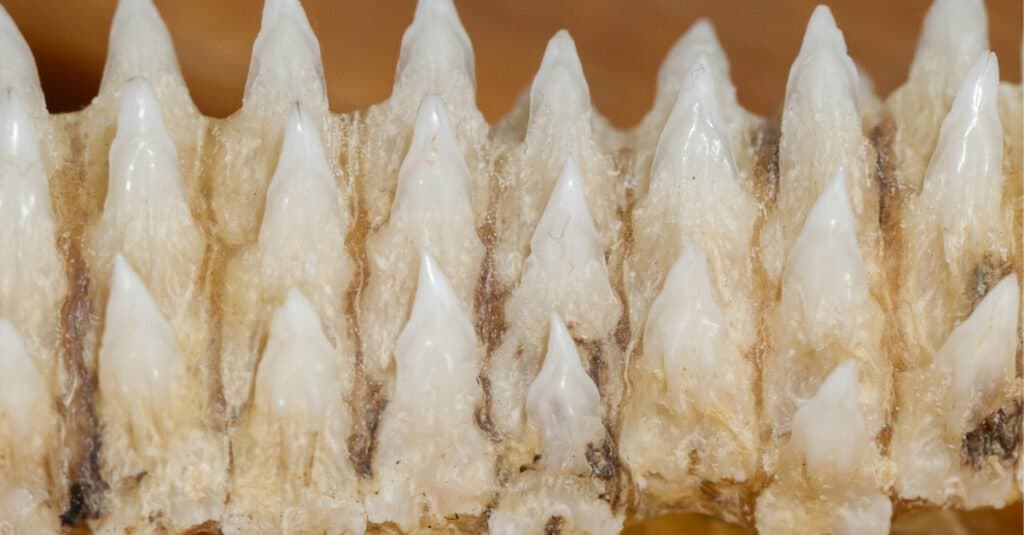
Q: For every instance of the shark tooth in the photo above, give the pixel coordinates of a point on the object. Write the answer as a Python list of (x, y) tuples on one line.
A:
[(140, 46), (436, 55), (286, 65)]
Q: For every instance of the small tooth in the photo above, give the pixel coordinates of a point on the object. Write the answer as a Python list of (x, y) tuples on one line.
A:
[(964, 180), (559, 89), (977, 358), (18, 69), (564, 405), (286, 65), (428, 436), (825, 272), (25, 404), (953, 34), (298, 377), (302, 202), (566, 240), (140, 45), (140, 364), (699, 43), (436, 52), (827, 448)]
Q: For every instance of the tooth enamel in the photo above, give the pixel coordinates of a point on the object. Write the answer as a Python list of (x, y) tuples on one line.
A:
[(436, 54), (430, 454), (32, 282), (559, 91), (140, 46), (563, 405), (830, 449), (18, 70), (146, 213), (565, 243), (286, 65)]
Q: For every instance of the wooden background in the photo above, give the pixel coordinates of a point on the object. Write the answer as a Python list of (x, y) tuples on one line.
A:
[(621, 42)]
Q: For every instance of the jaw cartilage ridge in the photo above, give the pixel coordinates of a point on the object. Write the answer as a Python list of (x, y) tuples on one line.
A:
[(405, 319)]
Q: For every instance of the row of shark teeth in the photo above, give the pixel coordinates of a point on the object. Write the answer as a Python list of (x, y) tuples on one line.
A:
[(405, 317)]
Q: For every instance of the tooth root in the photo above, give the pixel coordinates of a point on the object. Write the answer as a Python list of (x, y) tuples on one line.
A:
[(146, 213), (18, 69), (564, 405), (428, 433), (140, 46), (436, 55), (559, 91), (286, 66)]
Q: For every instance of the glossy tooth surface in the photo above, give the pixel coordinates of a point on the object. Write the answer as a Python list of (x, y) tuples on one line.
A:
[(431, 456), (563, 404), (559, 91), (18, 70), (286, 65), (146, 213), (827, 448), (140, 45), (436, 55), (26, 411)]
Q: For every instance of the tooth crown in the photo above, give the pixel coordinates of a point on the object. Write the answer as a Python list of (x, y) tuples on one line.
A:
[(286, 65), (140, 46)]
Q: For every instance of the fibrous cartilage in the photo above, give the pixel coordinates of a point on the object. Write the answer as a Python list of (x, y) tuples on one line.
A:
[(406, 319)]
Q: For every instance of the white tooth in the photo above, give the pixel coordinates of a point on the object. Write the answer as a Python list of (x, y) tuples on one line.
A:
[(25, 400), (146, 213), (436, 51), (564, 405), (831, 450), (566, 244), (18, 69), (964, 180), (822, 63), (428, 438), (866, 515), (298, 377), (140, 45), (699, 43), (559, 89), (286, 66), (953, 34), (140, 364), (432, 201), (825, 271), (977, 358), (302, 208), (32, 279)]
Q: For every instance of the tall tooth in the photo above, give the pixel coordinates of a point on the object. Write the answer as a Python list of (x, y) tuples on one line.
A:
[(825, 273), (953, 34), (428, 439), (146, 213), (964, 181), (828, 448), (18, 70), (302, 206), (32, 276), (699, 43), (559, 89), (140, 45), (25, 400), (977, 359), (298, 378), (564, 405), (436, 52), (566, 242), (140, 364), (286, 66)]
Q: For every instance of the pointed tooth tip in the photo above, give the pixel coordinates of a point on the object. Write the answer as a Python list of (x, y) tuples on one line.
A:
[(822, 31), (436, 6)]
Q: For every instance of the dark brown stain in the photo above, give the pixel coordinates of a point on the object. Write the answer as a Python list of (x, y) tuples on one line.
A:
[(482, 414), (987, 274), (206, 528), (882, 137), (363, 443), (997, 436), (766, 166), (554, 525)]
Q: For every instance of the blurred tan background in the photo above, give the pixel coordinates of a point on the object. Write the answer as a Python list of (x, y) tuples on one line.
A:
[(621, 43)]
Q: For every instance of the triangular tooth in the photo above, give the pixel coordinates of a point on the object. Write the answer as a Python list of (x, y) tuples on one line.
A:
[(139, 46), (286, 66), (436, 52), (25, 400), (437, 360), (953, 34), (822, 74), (828, 448), (298, 378), (146, 213), (18, 69), (564, 405), (140, 364), (825, 274), (976, 361), (699, 43), (302, 202), (559, 89), (566, 240)]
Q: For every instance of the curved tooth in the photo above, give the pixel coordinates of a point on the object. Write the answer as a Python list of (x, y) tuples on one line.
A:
[(699, 43), (953, 34), (25, 399), (566, 240), (298, 377), (140, 364), (559, 89), (825, 272), (301, 202), (286, 65), (978, 356), (827, 448), (563, 404), (436, 51), (139, 45), (964, 180), (18, 69)]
